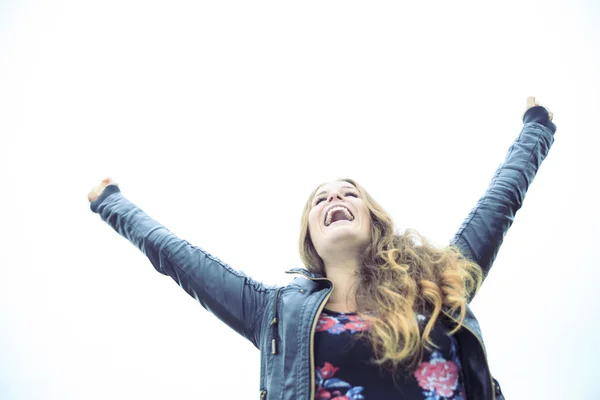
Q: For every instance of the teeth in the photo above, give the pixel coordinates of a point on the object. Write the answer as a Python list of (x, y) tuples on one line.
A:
[(338, 208)]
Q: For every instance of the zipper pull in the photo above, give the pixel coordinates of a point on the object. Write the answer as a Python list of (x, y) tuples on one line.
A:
[(274, 340), (263, 394)]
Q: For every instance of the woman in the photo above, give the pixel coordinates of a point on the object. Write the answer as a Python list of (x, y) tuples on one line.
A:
[(375, 315)]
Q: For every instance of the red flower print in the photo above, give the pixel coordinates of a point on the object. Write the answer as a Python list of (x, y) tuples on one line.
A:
[(327, 387), (357, 326), (325, 323), (328, 370), (439, 376), (338, 395)]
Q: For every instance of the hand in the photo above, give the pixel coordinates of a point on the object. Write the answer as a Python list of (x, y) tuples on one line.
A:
[(97, 191), (531, 102)]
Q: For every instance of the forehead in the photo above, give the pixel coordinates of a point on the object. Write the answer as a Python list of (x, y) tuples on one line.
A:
[(335, 185)]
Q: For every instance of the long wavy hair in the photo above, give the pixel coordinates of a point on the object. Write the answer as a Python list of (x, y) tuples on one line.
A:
[(402, 275)]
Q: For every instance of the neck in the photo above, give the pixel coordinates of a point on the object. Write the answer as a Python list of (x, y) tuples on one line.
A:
[(344, 274)]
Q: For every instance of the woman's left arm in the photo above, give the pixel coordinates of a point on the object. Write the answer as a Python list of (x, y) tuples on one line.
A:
[(481, 234)]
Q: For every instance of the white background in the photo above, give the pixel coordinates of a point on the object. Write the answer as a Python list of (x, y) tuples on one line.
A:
[(218, 118)]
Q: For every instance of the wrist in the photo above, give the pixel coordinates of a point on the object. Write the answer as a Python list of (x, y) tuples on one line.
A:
[(539, 115)]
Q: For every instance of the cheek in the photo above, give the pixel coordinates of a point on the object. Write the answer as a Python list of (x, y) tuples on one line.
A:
[(366, 220), (313, 221)]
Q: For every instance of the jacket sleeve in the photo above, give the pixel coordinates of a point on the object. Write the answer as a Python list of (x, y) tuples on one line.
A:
[(230, 295), (481, 234)]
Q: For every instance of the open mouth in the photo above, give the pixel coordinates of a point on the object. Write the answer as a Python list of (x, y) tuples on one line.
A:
[(338, 213)]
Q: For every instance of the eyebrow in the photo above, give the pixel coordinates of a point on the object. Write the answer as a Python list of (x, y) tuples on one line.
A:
[(343, 187)]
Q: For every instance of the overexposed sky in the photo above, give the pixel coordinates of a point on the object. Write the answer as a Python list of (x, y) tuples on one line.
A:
[(218, 118)]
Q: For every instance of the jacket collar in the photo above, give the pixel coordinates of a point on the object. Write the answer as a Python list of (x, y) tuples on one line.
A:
[(468, 318), (305, 272)]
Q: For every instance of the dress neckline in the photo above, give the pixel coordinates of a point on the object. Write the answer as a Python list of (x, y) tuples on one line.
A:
[(328, 311)]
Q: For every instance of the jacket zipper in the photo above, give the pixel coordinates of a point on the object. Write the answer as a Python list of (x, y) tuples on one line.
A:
[(274, 322), (312, 332), (493, 388)]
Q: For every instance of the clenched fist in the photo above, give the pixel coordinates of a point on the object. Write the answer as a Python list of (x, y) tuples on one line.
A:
[(97, 191)]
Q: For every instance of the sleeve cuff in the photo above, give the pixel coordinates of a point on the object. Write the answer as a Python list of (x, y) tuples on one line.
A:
[(108, 190), (540, 115)]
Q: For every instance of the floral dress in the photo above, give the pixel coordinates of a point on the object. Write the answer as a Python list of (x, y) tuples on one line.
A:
[(343, 370)]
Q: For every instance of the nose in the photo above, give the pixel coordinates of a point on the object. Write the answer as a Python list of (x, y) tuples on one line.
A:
[(334, 195)]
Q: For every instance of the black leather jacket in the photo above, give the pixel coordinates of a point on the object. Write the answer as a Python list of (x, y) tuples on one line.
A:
[(280, 321)]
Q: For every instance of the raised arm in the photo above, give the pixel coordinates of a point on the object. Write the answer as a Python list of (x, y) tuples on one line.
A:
[(481, 234), (233, 297)]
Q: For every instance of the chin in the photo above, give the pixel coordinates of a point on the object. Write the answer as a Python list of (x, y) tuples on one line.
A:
[(347, 237)]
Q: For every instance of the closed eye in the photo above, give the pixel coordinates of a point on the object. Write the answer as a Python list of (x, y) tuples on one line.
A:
[(322, 198), (318, 200)]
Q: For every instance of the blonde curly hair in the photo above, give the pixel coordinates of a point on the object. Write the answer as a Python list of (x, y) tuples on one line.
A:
[(402, 275)]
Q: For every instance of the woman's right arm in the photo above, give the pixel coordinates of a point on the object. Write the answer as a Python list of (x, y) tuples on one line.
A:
[(232, 296)]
